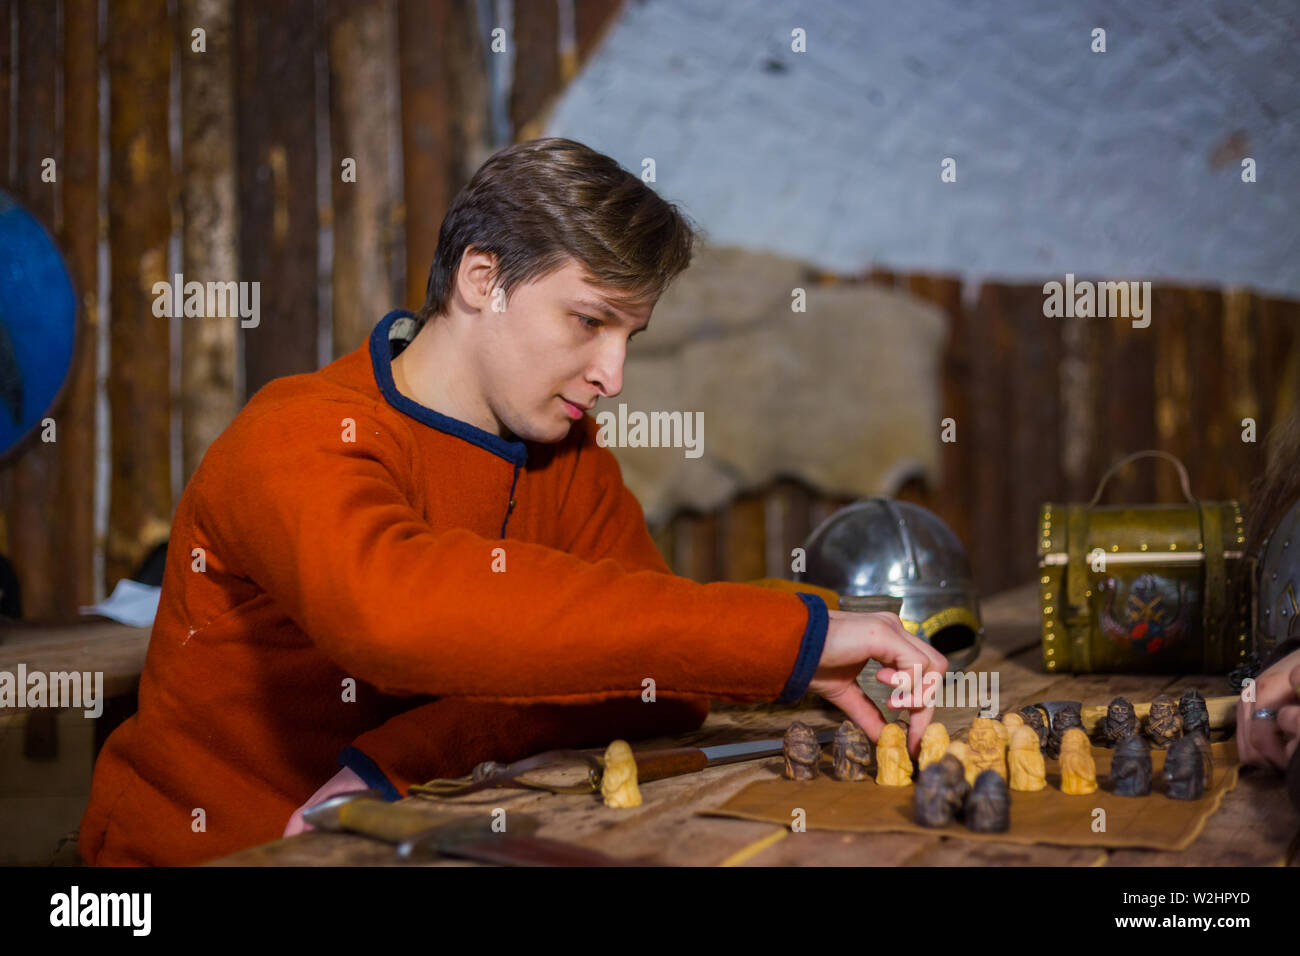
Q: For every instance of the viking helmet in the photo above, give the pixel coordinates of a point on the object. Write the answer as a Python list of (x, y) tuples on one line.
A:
[(883, 547)]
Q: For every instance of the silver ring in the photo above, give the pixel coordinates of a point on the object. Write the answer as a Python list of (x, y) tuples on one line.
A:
[(1264, 713)]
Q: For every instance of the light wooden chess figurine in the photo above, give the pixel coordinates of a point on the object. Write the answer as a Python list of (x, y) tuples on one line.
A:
[(893, 762), (1025, 759), (987, 746), (1078, 770), (1011, 721), (618, 782), (961, 750), (934, 744)]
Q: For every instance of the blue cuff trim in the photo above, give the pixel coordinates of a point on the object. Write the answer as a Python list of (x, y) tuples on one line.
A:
[(810, 651), (381, 358), (366, 769)]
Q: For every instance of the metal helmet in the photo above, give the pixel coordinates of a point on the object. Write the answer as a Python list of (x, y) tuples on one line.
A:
[(883, 547), (1277, 602)]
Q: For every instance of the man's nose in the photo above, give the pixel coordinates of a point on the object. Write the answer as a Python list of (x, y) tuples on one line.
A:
[(607, 371)]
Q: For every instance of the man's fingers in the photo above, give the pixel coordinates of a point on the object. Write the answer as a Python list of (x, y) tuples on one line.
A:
[(1265, 743), (916, 729), (1288, 720), (859, 709)]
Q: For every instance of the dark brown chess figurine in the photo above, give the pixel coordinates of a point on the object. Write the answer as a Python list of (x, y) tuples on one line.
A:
[(1163, 723), (1203, 746), (988, 808), (1184, 770), (802, 752), (1130, 767), (941, 791), (851, 753), (1067, 717), (1120, 721), (1196, 717), (1035, 718)]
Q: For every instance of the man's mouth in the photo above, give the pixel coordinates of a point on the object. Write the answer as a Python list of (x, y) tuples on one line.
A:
[(573, 411)]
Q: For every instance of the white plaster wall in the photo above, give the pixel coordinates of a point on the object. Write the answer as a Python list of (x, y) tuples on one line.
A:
[(1067, 160)]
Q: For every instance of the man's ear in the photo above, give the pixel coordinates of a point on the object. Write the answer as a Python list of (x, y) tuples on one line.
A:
[(475, 277)]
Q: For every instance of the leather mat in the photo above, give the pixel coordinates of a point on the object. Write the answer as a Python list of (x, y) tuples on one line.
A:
[(1047, 816)]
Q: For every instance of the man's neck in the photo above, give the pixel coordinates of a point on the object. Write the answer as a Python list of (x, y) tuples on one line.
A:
[(432, 371)]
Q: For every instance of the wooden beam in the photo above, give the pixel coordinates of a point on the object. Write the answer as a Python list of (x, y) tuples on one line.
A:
[(139, 228), (365, 130), (276, 46), (211, 392), (35, 525), (79, 240)]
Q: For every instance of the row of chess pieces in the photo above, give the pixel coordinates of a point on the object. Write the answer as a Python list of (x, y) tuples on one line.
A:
[(973, 778)]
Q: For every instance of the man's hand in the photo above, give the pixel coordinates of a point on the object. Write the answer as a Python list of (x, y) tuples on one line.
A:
[(342, 782), (1267, 743), (851, 640)]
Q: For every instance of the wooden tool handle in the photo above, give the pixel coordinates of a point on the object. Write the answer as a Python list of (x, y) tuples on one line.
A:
[(1222, 711), (658, 764), (385, 821)]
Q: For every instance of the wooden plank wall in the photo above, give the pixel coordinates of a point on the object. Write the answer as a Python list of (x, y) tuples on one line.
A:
[(264, 116), (283, 92)]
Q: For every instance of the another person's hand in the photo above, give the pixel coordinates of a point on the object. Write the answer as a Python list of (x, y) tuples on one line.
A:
[(1265, 742), (854, 638), (342, 782)]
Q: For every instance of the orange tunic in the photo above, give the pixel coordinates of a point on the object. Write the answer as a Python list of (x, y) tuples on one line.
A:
[(356, 580)]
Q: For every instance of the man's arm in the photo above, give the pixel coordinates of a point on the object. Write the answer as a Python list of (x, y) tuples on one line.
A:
[(413, 611)]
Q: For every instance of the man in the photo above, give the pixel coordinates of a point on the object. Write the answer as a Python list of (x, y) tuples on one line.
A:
[(418, 557)]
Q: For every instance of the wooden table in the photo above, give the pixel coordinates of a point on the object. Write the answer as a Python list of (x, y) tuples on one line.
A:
[(1255, 826)]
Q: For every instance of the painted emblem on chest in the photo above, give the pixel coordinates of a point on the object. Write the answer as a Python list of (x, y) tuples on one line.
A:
[(1146, 623)]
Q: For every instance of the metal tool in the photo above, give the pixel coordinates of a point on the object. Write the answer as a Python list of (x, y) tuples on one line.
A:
[(650, 765), (423, 836)]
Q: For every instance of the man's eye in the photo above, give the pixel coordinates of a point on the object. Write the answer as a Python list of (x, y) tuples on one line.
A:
[(590, 323)]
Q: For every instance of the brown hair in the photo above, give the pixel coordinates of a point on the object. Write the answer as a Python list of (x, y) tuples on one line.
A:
[(539, 203)]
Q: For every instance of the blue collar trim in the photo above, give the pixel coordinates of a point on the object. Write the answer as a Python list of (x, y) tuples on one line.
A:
[(381, 358)]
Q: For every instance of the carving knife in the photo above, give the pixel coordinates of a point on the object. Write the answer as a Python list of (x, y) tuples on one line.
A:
[(423, 836)]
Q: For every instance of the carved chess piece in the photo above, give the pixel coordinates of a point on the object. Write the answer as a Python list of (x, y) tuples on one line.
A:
[(802, 752), (988, 808), (893, 762), (851, 753), (986, 744), (1120, 721), (1164, 726), (1025, 760), (618, 781), (934, 744), (961, 750), (941, 791), (1036, 720), (1130, 767), (1203, 747), (1184, 770), (1195, 715), (1065, 719), (1078, 770), (1011, 721)]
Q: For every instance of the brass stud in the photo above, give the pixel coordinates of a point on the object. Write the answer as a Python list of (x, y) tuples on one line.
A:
[(1087, 594), (1051, 651), (1114, 547), (1142, 546), (1200, 546), (1045, 580), (1173, 546), (1048, 609), (1047, 595)]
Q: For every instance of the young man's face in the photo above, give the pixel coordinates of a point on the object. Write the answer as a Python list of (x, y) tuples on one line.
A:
[(558, 347)]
